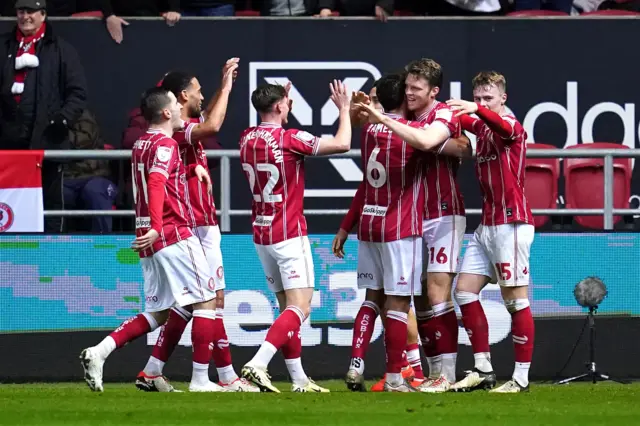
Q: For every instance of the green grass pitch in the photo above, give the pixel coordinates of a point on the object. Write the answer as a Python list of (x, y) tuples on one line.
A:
[(122, 404)]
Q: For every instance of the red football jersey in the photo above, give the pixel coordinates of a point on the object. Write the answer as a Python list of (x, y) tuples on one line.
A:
[(192, 152), (273, 161), (393, 185), (155, 152), (442, 194), (500, 167)]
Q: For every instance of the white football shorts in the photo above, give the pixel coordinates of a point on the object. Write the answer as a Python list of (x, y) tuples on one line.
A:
[(177, 274), (394, 266), (288, 265), (210, 239), (442, 238), (501, 253)]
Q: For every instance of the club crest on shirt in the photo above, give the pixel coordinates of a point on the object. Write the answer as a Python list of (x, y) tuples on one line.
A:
[(163, 154), (6, 217)]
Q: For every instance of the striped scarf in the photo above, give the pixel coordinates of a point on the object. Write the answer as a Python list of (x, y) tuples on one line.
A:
[(25, 58)]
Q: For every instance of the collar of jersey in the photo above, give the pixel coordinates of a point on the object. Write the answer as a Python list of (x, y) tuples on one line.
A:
[(392, 115), (267, 124), (424, 115)]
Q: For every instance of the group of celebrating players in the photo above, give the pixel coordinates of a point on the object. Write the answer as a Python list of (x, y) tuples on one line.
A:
[(408, 211)]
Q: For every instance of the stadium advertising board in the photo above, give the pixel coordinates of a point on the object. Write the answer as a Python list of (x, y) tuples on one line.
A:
[(63, 292)]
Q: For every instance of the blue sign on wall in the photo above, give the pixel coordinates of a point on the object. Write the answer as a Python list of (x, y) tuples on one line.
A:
[(62, 283)]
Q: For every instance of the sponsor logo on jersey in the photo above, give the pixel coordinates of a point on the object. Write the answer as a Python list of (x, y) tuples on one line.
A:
[(143, 222), (371, 210), (263, 220)]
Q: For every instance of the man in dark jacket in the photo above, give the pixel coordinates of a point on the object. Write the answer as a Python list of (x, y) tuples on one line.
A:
[(42, 94)]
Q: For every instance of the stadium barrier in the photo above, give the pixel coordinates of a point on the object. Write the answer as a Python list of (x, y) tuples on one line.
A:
[(225, 211)]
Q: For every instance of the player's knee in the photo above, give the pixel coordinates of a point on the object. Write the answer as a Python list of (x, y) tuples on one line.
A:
[(156, 319), (465, 297), (515, 305)]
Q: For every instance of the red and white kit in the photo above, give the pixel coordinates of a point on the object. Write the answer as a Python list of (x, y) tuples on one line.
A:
[(203, 218), (444, 222), (175, 269), (501, 245), (389, 209), (273, 161)]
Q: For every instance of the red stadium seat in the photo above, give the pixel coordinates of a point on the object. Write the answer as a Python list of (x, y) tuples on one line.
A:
[(611, 12), (89, 14), (247, 13), (541, 183), (403, 13), (525, 13), (584, 183)]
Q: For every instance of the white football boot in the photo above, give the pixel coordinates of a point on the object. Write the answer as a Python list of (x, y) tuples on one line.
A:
[(240, 385), (259, 377), (311, 386), (93, 365), (510, 387)]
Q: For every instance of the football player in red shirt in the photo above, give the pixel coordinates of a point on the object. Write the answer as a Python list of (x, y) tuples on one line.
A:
[(499, 250)]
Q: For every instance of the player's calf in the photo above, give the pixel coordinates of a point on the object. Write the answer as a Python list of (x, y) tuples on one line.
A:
[(93, 358), (363, 327), (522, 332), (397, 308)]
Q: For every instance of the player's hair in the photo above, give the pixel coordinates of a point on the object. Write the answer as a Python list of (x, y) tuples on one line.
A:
[(390, 91), (428, 69), (267, 95), (153, 102), (490, 78), (177, 81)]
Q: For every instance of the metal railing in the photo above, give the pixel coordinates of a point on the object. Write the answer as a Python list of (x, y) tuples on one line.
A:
[(224, 203)]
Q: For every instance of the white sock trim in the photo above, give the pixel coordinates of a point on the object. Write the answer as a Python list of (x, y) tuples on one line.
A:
[(516, 305), (398, 316), (153, 324), (219, 313), (297, 311), (186, 315), (442, 308), (424, 315), (465, 297), (205, 313), (371, 305)]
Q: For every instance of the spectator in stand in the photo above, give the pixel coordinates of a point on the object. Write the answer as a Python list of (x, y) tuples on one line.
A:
[(464, 8), (87, 183), (381, 9), (559, 5), (208, 7), (113, 9), (288, 7), (42, 94)]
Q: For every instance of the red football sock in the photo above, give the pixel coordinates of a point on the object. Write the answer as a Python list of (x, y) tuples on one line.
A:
[(284, 327), (293, 348), (131, 329), (522, 331), (475, 322), (363, 329), (221, 352), (170, 334), (413, 357), (395, 337), (202, 333), (448, 328), (427, 332)]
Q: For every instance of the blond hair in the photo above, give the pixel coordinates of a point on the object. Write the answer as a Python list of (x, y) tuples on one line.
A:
[(490, 78)]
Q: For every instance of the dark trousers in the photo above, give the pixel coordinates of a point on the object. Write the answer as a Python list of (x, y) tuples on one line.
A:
[(223, 10), (52, 194), (90, 193), (559, 5)]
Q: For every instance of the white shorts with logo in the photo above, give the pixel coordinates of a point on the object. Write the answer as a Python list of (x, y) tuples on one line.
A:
[(394, 266), (210, 239), (442, 238), (501, 253), (177, 274), (288, 265)]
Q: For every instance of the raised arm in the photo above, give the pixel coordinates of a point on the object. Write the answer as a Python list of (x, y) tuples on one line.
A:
[(217, 108), (341, 142)]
